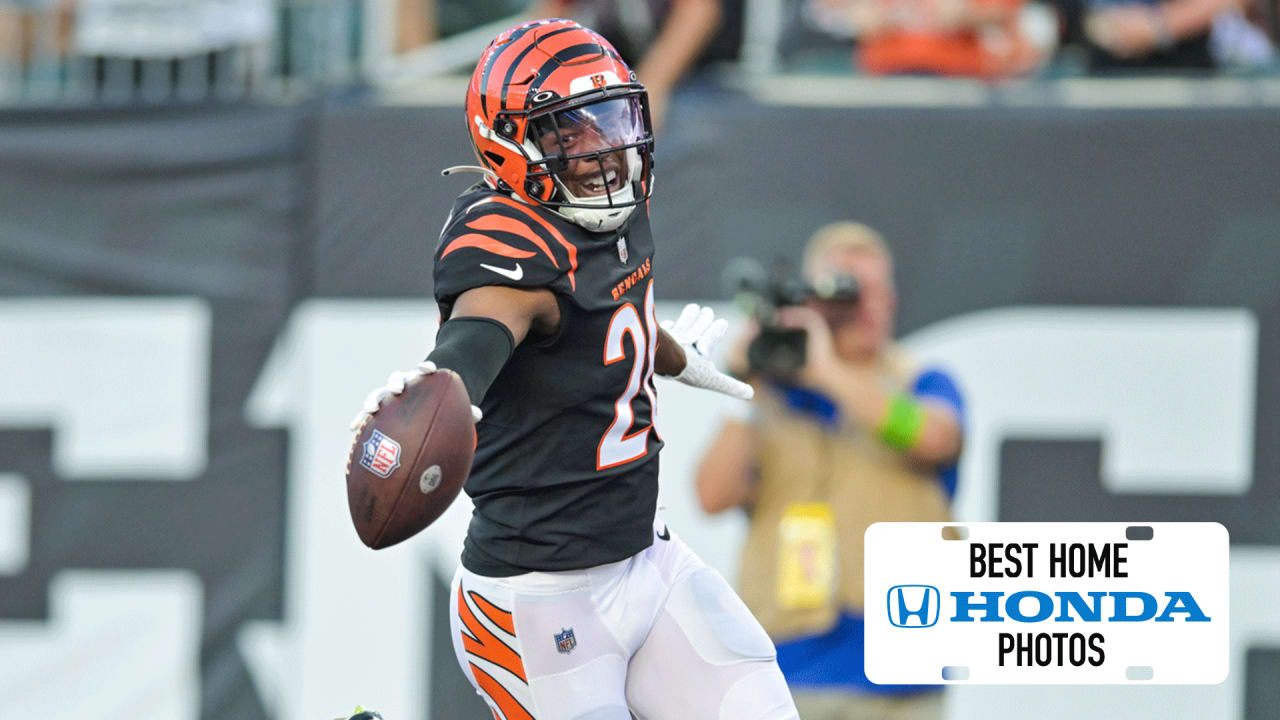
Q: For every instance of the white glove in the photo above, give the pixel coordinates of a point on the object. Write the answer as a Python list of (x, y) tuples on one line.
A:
[(396, 383), (697, 330)]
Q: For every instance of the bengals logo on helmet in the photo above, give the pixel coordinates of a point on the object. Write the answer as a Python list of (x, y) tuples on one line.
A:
[(598, 80)]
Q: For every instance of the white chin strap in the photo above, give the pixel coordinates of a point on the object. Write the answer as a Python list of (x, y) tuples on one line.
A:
[(604, 218)]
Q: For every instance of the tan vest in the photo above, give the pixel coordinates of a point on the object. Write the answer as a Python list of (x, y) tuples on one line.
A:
[(864, 481)]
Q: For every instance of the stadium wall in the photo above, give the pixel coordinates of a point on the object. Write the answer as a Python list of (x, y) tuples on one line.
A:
[(193, 303)]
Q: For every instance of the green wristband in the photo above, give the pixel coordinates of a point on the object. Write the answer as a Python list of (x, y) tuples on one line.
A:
[(901, 426)]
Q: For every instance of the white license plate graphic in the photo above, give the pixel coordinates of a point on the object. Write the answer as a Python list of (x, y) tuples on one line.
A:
[(1046, 603)]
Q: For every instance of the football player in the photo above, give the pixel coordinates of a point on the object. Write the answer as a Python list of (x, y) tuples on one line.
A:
[(572, 600)]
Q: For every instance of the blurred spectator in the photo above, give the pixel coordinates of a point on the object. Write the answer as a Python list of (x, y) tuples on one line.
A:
[(1238, 40), (33, 31), (661, 39), (980, 38), (416, 24), (1151, 34), (860, 435)]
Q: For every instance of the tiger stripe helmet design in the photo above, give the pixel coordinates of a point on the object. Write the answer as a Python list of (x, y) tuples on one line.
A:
[(557, 117)]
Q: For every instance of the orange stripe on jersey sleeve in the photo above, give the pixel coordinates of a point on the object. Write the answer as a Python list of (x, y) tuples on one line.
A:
[(568, 246), (510, 707), (484, 644), (501, 223), (496, 615), (484, 242)]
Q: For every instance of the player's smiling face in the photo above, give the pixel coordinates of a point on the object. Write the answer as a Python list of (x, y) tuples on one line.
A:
[(586, 176), (584, 136)]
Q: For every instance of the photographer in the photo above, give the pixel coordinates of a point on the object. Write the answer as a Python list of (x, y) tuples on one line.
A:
[(845, 431)]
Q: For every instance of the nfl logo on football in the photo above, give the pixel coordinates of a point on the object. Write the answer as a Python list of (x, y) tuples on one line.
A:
[(381, 455), (565, 641)]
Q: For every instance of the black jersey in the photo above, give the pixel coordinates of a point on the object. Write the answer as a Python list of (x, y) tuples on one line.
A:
[(566, 467)]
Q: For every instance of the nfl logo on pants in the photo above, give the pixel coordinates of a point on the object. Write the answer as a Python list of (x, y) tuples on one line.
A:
[(565, 641)]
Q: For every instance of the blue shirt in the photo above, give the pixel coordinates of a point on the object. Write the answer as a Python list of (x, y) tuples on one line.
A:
[(834, 660)]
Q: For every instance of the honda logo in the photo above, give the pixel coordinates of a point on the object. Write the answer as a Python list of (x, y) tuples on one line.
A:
[(913, 606)]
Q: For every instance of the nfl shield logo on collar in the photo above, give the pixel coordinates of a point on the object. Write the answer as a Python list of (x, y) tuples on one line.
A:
[(381, 455), (565, 641), (622, 248)]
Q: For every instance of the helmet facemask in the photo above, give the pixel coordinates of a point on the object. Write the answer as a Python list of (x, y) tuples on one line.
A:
[(597, 154)]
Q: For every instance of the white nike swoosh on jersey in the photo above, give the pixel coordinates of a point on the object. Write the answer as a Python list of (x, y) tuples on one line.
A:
[(515, 274)]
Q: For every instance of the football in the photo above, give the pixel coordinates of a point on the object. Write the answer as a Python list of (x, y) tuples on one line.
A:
[(408, 460)]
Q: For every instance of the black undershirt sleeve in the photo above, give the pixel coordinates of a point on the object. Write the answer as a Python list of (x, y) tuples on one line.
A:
[(476, 348)]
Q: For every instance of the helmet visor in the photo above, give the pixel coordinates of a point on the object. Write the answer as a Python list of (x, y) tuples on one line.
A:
[(592, 150)]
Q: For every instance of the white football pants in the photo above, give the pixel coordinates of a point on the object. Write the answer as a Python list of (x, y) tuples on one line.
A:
[(660, 635)]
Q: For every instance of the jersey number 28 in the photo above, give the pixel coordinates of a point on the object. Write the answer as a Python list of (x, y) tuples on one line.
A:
[(618, 446)]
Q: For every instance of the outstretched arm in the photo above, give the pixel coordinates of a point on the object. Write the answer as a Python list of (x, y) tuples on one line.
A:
[(519, 309), (487, 324), (669, 358), (685, 347)]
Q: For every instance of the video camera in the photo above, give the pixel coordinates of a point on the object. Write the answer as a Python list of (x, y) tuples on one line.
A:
[(779, 352)]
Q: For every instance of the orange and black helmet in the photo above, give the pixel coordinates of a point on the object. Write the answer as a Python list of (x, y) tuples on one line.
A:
[(558, 118)]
